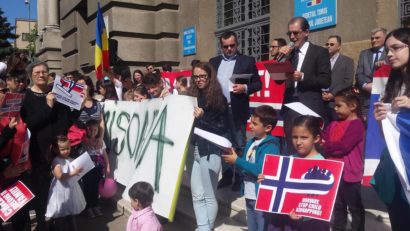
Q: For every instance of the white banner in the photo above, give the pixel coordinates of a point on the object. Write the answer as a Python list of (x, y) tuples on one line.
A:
[(149, 142)]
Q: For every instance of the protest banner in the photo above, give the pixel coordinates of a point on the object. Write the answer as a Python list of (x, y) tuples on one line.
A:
[(309, 186), (11, 104), (13, 199), (148, 142), (68, 92), (375, 143)]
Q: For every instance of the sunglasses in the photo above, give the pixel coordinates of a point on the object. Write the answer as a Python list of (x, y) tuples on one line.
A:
[(295, 33), (329, 44), (229, 46)]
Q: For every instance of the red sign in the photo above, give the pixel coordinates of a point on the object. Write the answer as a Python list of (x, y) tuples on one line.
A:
[(171, 76), (13, 199), (308, 186)]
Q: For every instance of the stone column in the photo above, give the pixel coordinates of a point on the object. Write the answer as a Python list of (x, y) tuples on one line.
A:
[(41, 15), (53, 12)]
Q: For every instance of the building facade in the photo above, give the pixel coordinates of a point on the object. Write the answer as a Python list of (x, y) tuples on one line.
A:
[(151, 31), (23, 28)]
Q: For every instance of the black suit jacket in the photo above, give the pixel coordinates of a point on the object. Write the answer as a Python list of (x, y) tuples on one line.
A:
[(240, 102), (317, 75), (342, 74)]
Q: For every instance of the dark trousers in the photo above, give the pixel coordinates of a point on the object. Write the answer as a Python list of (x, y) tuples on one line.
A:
[(90, 186), (349, 198), (399, 210)]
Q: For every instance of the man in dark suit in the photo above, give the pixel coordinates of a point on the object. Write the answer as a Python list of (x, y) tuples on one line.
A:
[(342, 74), (312, 74), (369, 60), (237, 93)]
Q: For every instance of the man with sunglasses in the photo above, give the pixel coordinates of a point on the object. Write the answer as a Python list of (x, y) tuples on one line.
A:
[(342, 73), (369, 60), (276, 44), (229, 63), (311, 64)]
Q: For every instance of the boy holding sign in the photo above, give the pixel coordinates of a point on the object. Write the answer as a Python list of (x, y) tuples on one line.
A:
[(263, 121)]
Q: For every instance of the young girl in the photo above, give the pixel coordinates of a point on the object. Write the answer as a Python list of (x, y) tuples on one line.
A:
[(344, 140), (305, 137), (64, 201), (142, 217), (102, 167), (140, 93)]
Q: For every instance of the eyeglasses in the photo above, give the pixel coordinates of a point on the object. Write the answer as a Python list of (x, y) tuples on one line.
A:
[(229, 46), (329, 44), (295, 33), (40, 72), (199, 77), (395, 49), (273, 47)]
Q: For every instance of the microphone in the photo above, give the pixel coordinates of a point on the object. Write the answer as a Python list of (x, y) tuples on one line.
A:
[(282, 55)]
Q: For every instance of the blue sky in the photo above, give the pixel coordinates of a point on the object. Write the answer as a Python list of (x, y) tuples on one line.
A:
[(18, 9)]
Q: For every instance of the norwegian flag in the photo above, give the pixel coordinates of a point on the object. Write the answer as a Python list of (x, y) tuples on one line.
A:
[(309, 186), (375, 143)]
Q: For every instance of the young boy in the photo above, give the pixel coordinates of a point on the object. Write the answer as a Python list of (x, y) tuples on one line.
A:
[(263, 120), (155, 85), (142, 216)]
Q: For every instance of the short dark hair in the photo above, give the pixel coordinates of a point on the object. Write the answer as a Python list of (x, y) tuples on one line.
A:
[(195, 62), (19, 76), (151, 79), (304, 24), (266, 114), (93, 122), (311, 123), (281, 41), (337, 37), (166, 67), (182, 80), (228, 34), (143, 192)]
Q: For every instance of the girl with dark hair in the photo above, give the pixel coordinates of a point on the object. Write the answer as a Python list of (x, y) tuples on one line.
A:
[(210, 115), (106, 89), (386, 180), (344, 141), (137, 77)]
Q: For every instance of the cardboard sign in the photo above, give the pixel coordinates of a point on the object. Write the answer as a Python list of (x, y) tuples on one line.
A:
[(309, 186), (68, 92), (13, 199), (11, 104)]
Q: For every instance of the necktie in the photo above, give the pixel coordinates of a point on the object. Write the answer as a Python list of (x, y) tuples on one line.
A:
[(295, 58), (376, 58)]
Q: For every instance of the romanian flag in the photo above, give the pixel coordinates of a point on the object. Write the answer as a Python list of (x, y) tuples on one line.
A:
[(101, 59), (313, 2)]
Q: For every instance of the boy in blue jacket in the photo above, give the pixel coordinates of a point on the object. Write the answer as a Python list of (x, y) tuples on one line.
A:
[(263, 121)]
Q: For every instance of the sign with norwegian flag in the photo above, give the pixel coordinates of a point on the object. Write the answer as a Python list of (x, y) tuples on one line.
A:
[(68, 92), (308, 186), (13, 199)]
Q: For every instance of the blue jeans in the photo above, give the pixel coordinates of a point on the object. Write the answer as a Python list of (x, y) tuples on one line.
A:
[(204, 179), (254, 218)]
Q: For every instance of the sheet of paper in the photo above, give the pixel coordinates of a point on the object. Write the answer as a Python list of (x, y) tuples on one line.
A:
[(302, 109), (220, 141), (84, 161)]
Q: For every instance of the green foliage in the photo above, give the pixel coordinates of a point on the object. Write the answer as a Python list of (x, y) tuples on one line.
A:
[(31, 38), (5, 34)]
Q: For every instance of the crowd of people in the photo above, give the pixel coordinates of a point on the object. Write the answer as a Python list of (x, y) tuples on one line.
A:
[(323, 80)]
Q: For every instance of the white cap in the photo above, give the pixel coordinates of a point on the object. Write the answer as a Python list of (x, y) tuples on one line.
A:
[(3, 67)]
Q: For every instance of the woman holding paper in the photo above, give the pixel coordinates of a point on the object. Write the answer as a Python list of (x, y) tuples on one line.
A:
[(387, 182), (45, 118), (210, 115)]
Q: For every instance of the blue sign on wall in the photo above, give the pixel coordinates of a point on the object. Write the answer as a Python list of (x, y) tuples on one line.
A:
[(189, 41), (319, 13)]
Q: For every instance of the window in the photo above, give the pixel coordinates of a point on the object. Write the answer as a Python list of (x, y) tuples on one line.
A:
[(404, 12), (249, 19), (24, 36)]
